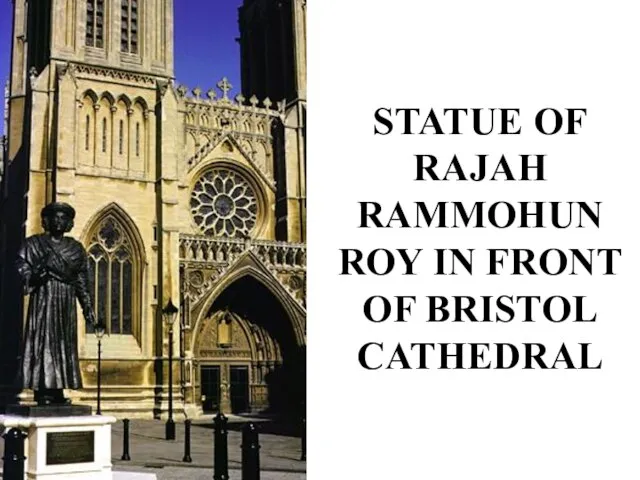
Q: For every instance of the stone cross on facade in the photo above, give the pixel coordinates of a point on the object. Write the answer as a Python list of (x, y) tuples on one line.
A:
[(224, 87)]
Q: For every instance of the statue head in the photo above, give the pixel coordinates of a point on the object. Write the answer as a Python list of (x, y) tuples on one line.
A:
[(57, 218)]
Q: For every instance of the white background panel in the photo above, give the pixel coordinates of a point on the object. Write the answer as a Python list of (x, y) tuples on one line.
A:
[(471, 424)]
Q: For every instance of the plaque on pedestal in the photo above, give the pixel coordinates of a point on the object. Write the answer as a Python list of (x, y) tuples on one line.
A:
[(71, 447), (74, 447)]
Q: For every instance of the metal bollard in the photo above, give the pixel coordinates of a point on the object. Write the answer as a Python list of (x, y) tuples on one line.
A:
[(220, 454), (250, 453), (125, 441), (187, 441), (303, 440), (13, 455)]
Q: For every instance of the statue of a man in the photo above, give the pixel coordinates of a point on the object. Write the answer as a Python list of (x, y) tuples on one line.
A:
[(54, 270)]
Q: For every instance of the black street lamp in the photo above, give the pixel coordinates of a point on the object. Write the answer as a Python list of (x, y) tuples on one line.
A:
[(99, 330), (169, 314)]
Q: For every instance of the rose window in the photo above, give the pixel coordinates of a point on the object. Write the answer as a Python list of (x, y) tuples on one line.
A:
[(224, 203)]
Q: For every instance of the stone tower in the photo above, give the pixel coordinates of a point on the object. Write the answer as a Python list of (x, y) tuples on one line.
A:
[(91, 36), (116, 53), (87, 79), (273, 49), (273, 65)]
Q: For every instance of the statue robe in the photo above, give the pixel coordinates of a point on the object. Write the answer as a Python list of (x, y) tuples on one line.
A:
[(50, 354)]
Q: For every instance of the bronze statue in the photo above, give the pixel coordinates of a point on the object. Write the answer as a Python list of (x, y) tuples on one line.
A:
[(54, 270)]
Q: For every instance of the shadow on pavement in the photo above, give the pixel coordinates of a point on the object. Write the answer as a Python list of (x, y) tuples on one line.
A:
[(269, 425)]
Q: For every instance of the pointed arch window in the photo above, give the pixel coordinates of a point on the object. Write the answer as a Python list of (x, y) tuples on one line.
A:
[(95, 24), (115, 277), (129, 26)]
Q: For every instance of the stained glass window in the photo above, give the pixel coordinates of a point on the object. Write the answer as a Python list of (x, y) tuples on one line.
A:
[(223, 203), (111, 277)]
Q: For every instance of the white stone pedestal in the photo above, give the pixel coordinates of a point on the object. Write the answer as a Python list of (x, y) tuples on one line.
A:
[(43, 465)]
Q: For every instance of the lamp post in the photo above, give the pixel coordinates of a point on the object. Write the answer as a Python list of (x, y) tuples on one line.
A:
[(99, 330), (169, 313)]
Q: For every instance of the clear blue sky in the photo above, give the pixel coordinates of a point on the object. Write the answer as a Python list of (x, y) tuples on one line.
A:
[(205, 46)]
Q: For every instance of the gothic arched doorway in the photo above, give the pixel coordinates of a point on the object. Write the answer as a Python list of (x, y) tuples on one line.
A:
[(246, 356)]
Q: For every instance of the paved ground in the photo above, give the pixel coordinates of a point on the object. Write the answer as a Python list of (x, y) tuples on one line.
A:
[(181, 473), (279, 449), (151, 453)]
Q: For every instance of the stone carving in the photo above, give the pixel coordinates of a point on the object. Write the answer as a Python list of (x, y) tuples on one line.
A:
[(195, 291), (225, 87), (114, 74), (196, 278), (224, 203), (211, 345), (239, 140), (225, 337), (220, 353), (212, 120), (295, 282), (282, 259), (182, 91)]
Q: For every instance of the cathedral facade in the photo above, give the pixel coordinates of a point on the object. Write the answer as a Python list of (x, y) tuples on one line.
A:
[(182, 195)]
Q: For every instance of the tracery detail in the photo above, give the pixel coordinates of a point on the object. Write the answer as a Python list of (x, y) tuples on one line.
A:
[(112, 272), (223, 203)]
